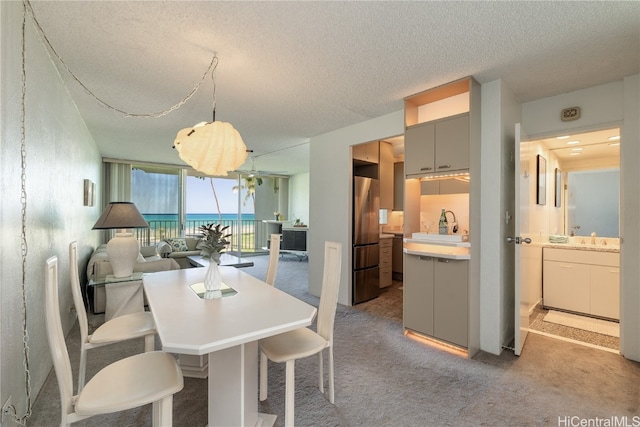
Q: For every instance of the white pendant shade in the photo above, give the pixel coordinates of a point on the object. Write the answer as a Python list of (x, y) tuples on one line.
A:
[(212, 148)]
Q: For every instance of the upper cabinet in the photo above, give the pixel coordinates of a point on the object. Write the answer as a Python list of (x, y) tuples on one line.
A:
[(386, 175), (438, 146), (437, 130), (398, 186), (368, 152)]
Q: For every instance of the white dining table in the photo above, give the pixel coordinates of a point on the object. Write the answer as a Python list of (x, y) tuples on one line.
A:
[(227, 330)]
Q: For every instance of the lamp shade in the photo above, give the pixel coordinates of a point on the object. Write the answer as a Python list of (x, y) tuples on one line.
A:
[(123, 249), (213, 148), (120, 215)]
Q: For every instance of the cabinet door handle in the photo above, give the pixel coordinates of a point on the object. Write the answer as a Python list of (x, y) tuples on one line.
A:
[(566, 266), (425, 258), (444, 166), (426, 168), (443, 260)]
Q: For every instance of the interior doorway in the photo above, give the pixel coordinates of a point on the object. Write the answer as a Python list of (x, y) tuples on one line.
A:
[(582, 212)]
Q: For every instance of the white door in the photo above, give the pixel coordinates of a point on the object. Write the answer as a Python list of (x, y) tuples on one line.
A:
[(523, 178)]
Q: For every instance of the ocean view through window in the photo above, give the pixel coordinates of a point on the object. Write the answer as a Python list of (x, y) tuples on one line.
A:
[(158, 192)]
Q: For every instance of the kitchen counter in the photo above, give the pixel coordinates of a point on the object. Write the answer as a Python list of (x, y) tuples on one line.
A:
[(386, 236), (449, 250)]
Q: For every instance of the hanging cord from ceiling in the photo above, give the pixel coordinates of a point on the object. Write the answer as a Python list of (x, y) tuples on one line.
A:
[(23, 236), (47, 43)]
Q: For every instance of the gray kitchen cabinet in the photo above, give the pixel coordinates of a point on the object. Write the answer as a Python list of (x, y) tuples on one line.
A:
[(418, 294), (450, 296), (438, 146), (452, 143), (397, 262), (398, 186), (436, 298), (419, 146), (368, 152), (443, 186), (430, 187), (385, 262), (386, 175)]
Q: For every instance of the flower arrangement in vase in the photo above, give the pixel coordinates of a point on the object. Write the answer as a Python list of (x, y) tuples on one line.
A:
[(212, 245)]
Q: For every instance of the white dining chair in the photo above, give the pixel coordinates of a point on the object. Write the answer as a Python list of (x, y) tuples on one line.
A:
[(121, 328), (152, 377), (303, 342), (274, 253)]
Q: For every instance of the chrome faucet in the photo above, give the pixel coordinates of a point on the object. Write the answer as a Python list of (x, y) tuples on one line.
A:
[(454, 224), (573, 232)]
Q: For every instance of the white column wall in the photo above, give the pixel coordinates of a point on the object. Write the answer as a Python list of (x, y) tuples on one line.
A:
[(500, 111), (630, 221), (330, 192)]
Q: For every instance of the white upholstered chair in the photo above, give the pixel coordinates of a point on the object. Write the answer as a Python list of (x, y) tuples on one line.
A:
[(303, 342), (152, 377), (129, 326), (274, 253)]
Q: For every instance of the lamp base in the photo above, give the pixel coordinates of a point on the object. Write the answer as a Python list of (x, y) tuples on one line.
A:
[(123, 252)]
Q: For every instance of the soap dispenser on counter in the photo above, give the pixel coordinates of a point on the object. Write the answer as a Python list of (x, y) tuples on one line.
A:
[(443, 225)]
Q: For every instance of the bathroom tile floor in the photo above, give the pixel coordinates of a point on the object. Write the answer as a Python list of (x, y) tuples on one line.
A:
[(536, 323)]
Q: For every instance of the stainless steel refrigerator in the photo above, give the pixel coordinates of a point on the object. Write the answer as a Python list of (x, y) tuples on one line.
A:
[(366, 236)]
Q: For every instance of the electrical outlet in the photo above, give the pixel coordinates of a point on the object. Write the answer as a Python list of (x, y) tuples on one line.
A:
[(5, 408)]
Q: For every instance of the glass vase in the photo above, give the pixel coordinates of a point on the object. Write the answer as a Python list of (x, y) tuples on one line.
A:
[(212, 281)]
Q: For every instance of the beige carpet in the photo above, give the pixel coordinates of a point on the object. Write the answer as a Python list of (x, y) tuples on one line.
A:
[(582, 322)]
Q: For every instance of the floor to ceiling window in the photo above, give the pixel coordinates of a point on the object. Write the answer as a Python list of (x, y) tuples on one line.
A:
[(176, 202)]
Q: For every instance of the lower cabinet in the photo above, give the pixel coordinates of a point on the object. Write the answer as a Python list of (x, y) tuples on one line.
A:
[(385, 261), (582, 281), (605, 291), (566, 286), (436, 298), (418, 294), (450, 308)]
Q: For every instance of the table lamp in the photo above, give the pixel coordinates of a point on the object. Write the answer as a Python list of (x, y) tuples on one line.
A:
[(123, 249)]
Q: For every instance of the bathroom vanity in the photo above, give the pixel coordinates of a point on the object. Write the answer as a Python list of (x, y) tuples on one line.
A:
[(582, 278)]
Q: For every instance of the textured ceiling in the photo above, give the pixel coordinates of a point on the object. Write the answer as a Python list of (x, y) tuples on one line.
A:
[(291, 70)]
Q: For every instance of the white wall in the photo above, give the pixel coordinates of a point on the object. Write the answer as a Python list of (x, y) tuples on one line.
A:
[(330, 193), (608, 105), (629, 221), (500, 111), (60, 153), (299, 197)]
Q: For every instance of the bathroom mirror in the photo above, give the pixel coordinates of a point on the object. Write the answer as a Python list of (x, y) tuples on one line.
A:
[(593, 198), (584, 179)]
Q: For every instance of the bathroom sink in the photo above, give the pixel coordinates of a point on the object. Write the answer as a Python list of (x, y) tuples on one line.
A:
[(433, 237)]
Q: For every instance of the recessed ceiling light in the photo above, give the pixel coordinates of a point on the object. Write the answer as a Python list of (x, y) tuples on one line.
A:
[(575, 154), (563, 137), (574, 142), (577, 149), (614, 144), (614, 138)]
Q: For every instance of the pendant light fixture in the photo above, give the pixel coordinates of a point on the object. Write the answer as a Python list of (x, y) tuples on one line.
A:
[(214, 148)]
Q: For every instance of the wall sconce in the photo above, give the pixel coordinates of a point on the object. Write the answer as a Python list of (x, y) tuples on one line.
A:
[(89, 193)]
